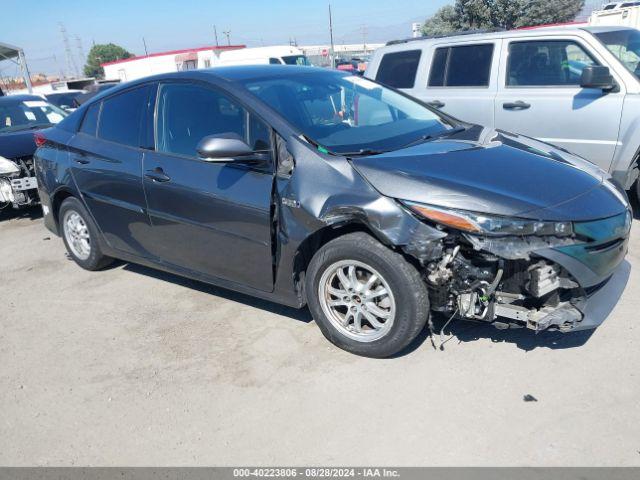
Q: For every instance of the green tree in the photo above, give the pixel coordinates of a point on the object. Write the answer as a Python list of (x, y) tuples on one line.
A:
[(103, 53), (484, 14)]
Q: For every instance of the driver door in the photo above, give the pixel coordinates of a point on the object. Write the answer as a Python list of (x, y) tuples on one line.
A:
[(208, 217)]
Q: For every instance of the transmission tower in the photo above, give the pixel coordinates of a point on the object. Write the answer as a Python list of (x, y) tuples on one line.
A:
[(72, 68), (80, 50)]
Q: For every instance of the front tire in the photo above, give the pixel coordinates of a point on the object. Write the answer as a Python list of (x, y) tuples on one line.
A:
[(80, 235), (366, 298)]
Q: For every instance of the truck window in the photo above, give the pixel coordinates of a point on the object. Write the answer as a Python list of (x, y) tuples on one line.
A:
[(546, 63), (463, 66), (398, 69)]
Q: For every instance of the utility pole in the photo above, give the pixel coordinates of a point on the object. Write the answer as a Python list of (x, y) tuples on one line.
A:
[(227, 34), (364, 31), (71, 63), (331, 50), (215, 33), (144, 42)]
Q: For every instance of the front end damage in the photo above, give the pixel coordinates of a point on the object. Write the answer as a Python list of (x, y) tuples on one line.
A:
[(18, 186), (539, 283)]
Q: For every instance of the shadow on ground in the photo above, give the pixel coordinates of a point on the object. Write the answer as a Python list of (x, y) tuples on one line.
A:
[(301, 315), (31, 213), (458, 331)]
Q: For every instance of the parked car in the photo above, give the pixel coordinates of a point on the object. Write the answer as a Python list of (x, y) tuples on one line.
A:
[(575, 87), (93, 90), (67, 100), (20, 117), (312, 186)]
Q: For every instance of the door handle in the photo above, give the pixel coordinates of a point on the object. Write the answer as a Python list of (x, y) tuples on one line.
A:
[(519, 105), (81, 160), (157, 175), (436, 104)]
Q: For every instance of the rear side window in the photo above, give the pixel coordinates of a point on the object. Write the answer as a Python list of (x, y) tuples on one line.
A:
[(121, 117), (398, 69), (463, 66), (546, 63), (90, 120)]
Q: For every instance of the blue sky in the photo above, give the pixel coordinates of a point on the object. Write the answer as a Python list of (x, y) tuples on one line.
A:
[(168, 25)]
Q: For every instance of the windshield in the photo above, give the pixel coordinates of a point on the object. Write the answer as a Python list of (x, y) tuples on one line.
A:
[(64, 100), (624, 44), (28, 114), (296, 60), (346, 113)]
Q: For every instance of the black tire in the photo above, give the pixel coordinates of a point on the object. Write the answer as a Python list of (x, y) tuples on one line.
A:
[(96, 259), (408, 289)]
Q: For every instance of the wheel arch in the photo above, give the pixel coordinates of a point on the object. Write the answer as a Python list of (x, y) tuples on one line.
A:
[(318, 239), (56, 201)]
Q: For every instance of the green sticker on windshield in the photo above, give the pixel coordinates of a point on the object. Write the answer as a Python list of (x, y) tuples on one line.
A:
[(321, 149)]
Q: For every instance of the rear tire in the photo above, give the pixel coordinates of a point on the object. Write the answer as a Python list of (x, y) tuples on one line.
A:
[(366, 298), (80, 235)]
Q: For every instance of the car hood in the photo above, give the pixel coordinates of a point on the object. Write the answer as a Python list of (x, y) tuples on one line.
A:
[(17, 144), (490, 171)]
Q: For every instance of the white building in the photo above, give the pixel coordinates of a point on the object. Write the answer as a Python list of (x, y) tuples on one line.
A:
[(163, 62), (320, 54)]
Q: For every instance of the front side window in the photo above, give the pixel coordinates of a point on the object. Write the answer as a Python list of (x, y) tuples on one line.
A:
[(346, 113), (546, 63), (625, 45), (187, 113), (28, 114), (296, 60), (398, 69), (121, 117), (462, 66)]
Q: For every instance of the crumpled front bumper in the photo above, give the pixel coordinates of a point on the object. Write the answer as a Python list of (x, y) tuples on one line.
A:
[(601, 302)]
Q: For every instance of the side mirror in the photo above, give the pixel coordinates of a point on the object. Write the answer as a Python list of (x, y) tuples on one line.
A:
[(224, 147), (597, 76)]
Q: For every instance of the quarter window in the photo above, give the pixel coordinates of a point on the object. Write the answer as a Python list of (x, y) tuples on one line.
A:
[(121, 117), (399, 69), (463, 66), (546, 63), (90, 120)]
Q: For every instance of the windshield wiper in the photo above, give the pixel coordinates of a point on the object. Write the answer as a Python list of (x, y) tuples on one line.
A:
[(433, 136), (362, 152)]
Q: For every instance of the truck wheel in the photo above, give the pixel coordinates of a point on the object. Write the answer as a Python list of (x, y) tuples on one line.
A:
[(80, 235), (365, 298)]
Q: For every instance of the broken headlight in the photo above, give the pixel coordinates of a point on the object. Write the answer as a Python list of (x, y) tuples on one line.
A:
[(7, 167), (483, 224)]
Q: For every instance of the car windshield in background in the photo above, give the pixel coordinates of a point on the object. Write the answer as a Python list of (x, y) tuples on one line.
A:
[(624, 44), (346, 113), (28, 114), (64, 100), (296, 60)]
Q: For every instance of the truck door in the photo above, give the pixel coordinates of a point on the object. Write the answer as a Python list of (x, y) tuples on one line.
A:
[(540, 96)]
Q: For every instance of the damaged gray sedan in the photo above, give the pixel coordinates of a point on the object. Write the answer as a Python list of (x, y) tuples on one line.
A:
[(314, 187)]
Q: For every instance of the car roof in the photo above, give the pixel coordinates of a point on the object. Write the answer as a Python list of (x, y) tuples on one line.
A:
[(20, 98), (232, 74), (498, 34)]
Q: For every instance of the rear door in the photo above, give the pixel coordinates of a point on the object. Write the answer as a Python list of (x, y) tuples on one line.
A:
[(207, 217), (462, 80), (540, 96), (106, 164)]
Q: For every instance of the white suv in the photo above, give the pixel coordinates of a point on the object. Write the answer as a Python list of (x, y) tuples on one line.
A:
[(574, 87)]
